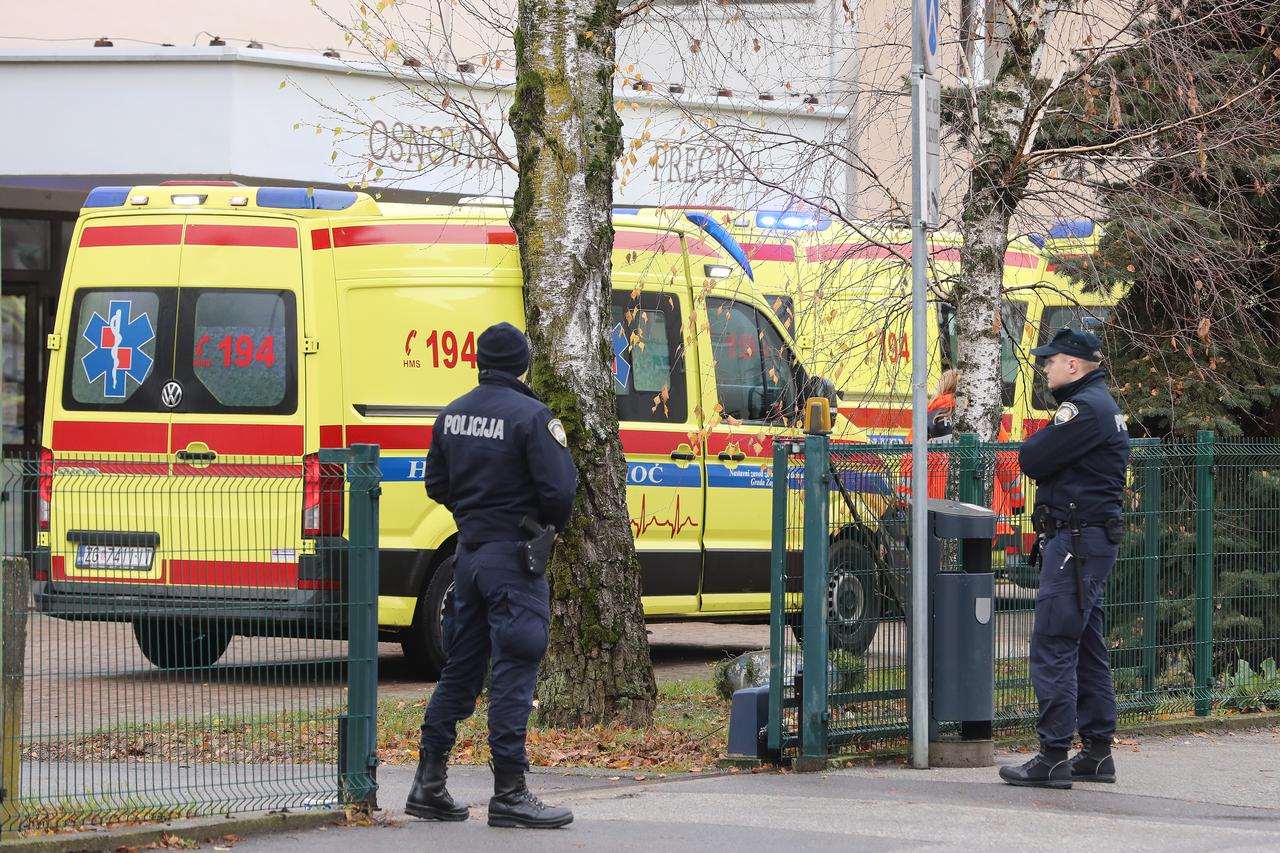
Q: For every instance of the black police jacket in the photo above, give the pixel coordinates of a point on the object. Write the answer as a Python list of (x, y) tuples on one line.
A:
[(1080, 456), (498, 455)]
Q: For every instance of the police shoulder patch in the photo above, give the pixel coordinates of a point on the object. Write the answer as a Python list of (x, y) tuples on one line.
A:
[(1065, 413), (557, 432)]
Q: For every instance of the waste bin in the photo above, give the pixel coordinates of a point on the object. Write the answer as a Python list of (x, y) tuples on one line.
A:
[(961, 636)]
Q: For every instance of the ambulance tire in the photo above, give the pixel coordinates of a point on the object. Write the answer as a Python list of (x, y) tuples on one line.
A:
[(853, 599), (181, 643), (423, 643)]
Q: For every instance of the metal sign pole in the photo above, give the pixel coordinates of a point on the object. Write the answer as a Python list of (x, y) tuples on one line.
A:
[(924, 45)]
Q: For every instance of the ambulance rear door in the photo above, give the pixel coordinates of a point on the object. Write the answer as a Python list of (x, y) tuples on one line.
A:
[(108, 431), (237, 409)]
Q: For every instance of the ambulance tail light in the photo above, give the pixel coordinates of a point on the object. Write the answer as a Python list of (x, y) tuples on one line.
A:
[(322, 492), (46, 487)]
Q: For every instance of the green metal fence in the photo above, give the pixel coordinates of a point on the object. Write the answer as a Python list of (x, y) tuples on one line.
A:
[(1193, 604), (187, 637)]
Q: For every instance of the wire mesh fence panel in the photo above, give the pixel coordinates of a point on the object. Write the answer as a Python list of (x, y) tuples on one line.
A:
[(176, 635), (1192, 605)]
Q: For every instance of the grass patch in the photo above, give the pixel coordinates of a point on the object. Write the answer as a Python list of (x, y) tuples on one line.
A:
[(689, 732)]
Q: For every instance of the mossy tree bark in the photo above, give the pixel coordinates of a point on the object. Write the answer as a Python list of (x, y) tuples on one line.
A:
[(568, 136)]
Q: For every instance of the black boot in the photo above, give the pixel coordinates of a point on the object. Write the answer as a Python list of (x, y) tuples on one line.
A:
[(1049, 769), (514, 805), (1094, 763), (428, 798)]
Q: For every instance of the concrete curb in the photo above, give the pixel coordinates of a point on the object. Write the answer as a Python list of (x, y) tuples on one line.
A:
[(193, 829)]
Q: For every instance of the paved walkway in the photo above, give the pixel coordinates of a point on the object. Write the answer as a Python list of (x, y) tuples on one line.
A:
[(1186, 793)]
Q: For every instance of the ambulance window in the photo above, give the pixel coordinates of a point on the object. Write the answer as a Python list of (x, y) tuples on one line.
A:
[(1091, 317), (1013, 321), (784, 308), (754, 375), (121, 345), (239, 346), (648, 359)]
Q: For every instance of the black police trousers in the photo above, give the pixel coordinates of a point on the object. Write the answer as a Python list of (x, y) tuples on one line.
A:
[(500, 616), (1070, 668)]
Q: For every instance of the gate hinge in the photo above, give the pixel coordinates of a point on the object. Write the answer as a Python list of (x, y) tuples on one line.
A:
[(53, 341), (310, 345)]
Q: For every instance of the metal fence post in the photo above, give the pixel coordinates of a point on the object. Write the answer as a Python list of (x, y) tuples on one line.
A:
[(970, 472), (1152, 503), (358, 776), (778, 593), (817, 492), (15, 587), (1204, 573)]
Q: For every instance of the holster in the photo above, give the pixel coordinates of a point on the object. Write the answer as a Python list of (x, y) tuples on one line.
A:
[(538, 547), (1077, 552), (1115, 530), (1043, 523)]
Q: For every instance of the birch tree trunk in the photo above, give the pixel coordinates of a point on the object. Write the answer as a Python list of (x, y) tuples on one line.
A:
[(568, 136), (1000, 130)]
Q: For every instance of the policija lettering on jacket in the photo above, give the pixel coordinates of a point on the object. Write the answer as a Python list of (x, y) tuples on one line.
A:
[(499, 461), (1078, 461)]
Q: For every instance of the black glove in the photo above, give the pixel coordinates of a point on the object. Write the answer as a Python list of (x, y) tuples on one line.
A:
[(538, 547)]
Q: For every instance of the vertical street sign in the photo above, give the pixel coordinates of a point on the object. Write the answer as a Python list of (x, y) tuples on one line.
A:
[(932, 128), (928, 19)]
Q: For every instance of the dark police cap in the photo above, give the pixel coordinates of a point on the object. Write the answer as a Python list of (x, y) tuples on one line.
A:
[(503, 347), (1073, 342)]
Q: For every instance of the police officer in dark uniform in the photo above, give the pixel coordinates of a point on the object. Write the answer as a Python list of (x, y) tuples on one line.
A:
[(1078, 461), (500, 463)]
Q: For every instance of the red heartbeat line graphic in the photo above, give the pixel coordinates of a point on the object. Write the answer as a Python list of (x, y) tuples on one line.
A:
[(647, 521)]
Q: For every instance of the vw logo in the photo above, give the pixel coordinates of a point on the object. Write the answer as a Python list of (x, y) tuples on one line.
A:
[(171, 394)]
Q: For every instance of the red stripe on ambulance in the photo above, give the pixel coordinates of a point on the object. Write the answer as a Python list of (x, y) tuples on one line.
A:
[(879, 418), (111, 436), (320, 239), (645, 441), (331, 436), (259, 236), (769, 251), (646, 241), (233, 573), (242, 439), (130, 235), (391, 436), (425, 233)]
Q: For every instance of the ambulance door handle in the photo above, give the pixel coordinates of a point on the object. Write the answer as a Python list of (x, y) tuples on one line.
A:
[(197, 456), (684, 455), (726, 456)]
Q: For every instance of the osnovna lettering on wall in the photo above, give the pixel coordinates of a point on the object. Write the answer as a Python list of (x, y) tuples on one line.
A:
[(401, 145)]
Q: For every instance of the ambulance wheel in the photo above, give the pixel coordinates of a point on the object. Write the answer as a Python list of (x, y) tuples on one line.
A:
[(423, 643), (181, 644), (853, 602)]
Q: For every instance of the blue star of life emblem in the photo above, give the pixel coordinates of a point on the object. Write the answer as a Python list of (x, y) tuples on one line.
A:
[(117, 342), (621, 367)]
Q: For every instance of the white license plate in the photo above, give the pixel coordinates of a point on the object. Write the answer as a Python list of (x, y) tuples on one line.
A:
[(131, 557)]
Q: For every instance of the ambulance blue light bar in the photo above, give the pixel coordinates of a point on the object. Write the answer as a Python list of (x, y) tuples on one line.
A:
[(302, 198), (791, 220), (107, 196), (716, 232), (1077, 230)]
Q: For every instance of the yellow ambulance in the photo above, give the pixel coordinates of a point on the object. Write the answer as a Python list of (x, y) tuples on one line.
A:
[(212, 338), (845, 290)]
